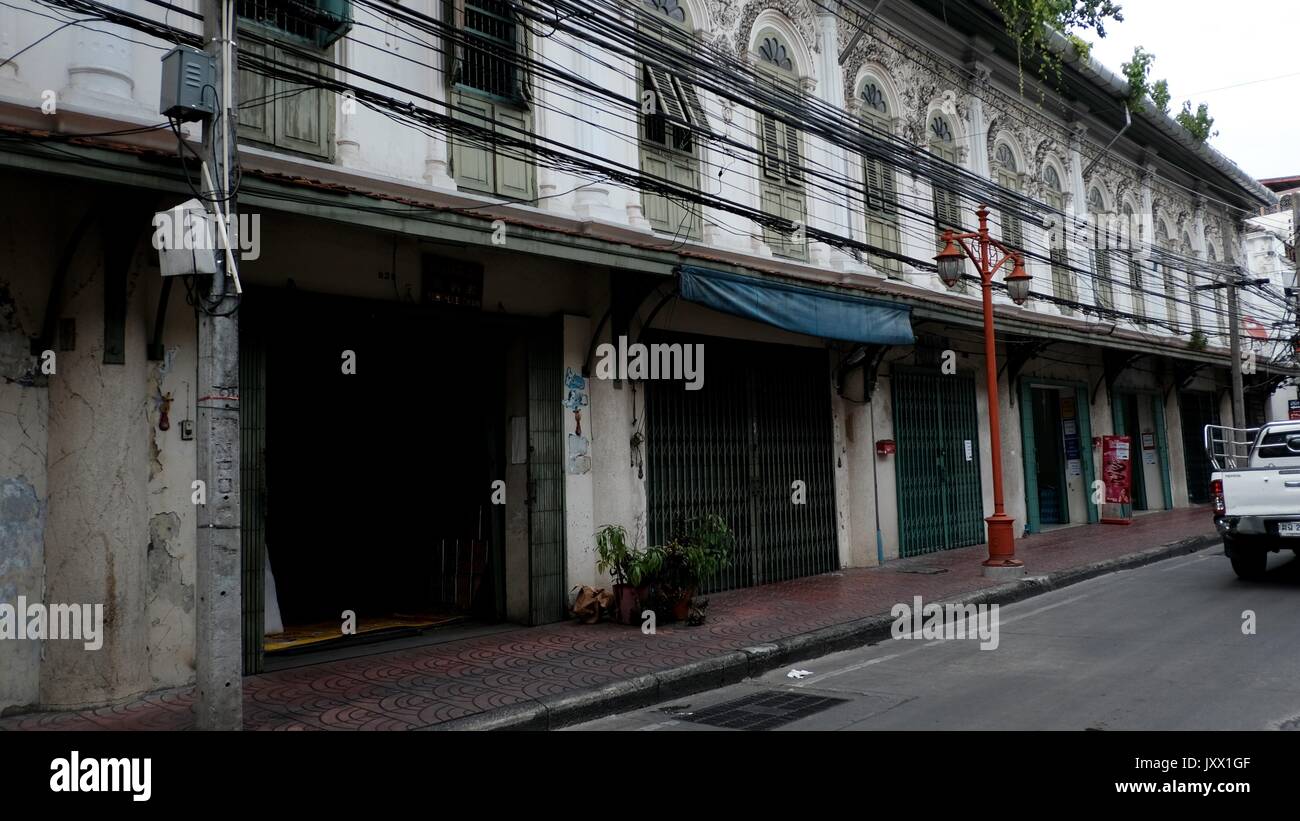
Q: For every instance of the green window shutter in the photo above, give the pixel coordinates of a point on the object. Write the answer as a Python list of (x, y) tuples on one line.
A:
[(793, 155), (871, 176), (1062, 283), (256, 100), (665, 95), (1105, 291), (1135, 284), (772, 204), (771, 140), (888, 189), (655, 206), (515, 172), (793, 209), (685, 219), (695, 108), (471, 161), (302, 113)]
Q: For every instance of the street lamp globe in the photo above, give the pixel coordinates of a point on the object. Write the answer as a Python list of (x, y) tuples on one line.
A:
[(1018, 283), (950, 261)]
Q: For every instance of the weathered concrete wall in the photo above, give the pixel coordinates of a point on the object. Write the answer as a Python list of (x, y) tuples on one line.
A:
[(24, 407), (170, 553), (97, 533)]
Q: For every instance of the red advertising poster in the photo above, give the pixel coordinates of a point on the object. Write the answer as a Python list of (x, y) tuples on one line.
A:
[(1116, 468)]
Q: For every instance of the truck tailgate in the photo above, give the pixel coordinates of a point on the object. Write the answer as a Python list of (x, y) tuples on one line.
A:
[(1262, 492)]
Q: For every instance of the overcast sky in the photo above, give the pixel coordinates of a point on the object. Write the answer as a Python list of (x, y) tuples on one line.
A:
[(1202, 46)]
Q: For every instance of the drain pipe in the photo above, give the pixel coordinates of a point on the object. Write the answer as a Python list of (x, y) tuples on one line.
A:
[(1128, 121), (875, 488)]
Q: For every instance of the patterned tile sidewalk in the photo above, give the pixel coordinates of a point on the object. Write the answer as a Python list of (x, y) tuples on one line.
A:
[(428, 685)]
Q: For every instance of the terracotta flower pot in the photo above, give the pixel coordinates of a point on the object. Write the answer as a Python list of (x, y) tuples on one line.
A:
[(625, 603)]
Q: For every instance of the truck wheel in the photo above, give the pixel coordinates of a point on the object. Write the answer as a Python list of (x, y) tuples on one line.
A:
[(1249, 563)]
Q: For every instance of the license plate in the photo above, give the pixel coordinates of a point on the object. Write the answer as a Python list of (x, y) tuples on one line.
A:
[(1288, 528)]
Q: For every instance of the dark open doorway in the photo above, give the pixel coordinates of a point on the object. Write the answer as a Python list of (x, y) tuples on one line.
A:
[(382, 432), (1050, 457)]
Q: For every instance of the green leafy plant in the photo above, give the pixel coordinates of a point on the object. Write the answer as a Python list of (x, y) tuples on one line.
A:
[(1031, 22), (1199, 125), (614, 556), (1160, 95), (1136, 72), (700, 548), (1198, 341)]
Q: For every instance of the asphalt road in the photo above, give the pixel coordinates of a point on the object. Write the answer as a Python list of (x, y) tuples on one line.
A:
[(1161, 647)]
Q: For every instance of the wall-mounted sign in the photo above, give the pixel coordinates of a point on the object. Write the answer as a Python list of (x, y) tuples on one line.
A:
[(1293, 409)]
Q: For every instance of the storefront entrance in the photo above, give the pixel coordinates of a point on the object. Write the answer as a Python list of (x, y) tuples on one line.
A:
[(1057, 441)]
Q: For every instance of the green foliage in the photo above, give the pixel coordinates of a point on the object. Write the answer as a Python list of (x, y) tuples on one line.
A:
[(1030, 23), (1081, 46), (1198, 341), (1160, 95), (701, 548), (1198, 124), (1136, 71), (613, 555)]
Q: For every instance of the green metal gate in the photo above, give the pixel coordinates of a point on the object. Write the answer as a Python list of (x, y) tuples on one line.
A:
[(1196, 410), (940, 504), (546, 531), (736, 447)]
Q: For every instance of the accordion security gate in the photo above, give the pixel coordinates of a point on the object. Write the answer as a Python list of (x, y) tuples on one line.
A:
[(940, 504), (736, 447)]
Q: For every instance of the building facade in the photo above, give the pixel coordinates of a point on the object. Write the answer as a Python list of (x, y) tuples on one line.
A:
[(456, 213)]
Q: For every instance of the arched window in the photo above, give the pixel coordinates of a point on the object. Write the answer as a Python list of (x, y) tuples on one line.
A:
[(1063, 286), (880, 193), (1220, 310), (1134, 266), (1099, 215), (941, 141), (1193, 295), (672, 122), (781, 151), (1008, 177), (1164, 247)]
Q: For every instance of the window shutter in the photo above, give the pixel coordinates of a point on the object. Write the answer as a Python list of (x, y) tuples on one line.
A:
[(691, 98), (666, 102), (1105, 293), (888, 189), (771, 147), (793, 155), (872, 176)]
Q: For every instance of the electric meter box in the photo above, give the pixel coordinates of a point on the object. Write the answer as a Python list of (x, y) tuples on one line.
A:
[(189, 84)]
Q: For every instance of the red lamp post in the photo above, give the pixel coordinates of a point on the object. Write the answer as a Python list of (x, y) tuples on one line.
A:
[(950, 261)]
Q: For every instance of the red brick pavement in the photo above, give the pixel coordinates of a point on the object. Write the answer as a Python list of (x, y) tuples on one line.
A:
[(422, 686)]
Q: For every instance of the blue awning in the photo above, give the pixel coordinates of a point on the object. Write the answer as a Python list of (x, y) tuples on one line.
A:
[(797, 308)]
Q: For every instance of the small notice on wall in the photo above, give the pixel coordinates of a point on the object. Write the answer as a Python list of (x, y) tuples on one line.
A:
[(1074, 467), (1148, 456)]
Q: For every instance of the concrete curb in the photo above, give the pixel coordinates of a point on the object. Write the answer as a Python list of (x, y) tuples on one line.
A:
[(554, 712)]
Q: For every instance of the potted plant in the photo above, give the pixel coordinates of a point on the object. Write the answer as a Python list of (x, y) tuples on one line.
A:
[(701, 548), (624, 564)]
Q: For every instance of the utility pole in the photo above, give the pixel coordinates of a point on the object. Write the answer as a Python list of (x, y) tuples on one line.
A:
[(1234, 346), (219, 649), (1234, 282)]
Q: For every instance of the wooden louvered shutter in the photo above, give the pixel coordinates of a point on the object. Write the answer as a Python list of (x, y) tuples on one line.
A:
[(871, 175), (771, 147), (888, 188), (699, 120), (666, 102), (793, 155)]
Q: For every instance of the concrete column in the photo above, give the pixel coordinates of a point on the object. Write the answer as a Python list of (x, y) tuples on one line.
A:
[(579, 428), (99, 68), (96, 533)]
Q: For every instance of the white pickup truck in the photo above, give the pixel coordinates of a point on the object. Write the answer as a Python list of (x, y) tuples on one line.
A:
[(1256, 489)]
